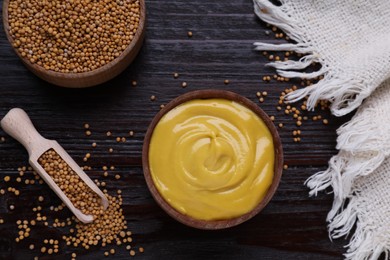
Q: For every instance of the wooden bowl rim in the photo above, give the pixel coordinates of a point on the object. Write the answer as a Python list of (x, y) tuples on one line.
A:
[(71, 75), (214, 224)]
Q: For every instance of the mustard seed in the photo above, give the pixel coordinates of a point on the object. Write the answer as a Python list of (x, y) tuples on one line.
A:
[(175, 75), (110, 150), (2, 139), (88, 133), (131, 133), (141, 249), (134, 83), (285, 166), (325, 121), (152, 97), (86, 126), (74, 37), (94, 145), (108, 133), (226, 81), (184, 84), (7, 178), (132, 252), (73, 187), (189, 33)]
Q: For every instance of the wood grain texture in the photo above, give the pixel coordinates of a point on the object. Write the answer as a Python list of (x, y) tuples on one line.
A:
[(292, 226)]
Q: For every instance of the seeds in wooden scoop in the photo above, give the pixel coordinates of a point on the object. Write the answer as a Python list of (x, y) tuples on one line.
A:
[(72, 36), (81, 196)]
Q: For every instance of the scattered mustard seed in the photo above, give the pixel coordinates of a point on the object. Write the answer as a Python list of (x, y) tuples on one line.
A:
[(226, 81), (152, 97), (175, 75), (189, 33), (184, 84)]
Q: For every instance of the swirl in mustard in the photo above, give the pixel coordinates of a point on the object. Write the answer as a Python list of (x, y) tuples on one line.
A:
[(212, 159)]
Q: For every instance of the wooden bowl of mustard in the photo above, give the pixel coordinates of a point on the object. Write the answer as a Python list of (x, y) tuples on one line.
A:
[(212, 159), (75, 44)]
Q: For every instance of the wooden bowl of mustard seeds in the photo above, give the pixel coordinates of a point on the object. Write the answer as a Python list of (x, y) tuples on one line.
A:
[(75, 48), (165, 202)]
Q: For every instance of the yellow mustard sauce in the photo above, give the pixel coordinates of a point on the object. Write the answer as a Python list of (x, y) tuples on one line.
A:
[(212, 159)]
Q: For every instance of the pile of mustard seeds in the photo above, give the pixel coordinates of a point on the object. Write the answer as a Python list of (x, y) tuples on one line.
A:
[(108, 232), (72, 36)]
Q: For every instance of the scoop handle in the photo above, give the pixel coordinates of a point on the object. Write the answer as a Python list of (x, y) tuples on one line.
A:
[(17, 124)]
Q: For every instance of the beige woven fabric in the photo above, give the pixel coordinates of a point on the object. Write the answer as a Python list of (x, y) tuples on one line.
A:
[(351, 39), (360, 178)]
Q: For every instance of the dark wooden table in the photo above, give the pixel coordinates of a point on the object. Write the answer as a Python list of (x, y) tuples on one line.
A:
[(292, 226)]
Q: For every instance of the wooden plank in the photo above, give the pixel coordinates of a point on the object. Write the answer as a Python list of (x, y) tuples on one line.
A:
[(292, 226)]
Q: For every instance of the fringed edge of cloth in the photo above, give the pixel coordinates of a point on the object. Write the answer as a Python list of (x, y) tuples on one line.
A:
[(344, 93)]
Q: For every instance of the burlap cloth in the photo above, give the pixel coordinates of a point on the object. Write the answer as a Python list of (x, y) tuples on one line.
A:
[(351, 40)]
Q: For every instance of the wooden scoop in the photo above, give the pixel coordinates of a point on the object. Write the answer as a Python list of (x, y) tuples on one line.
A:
[(18, 125)]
